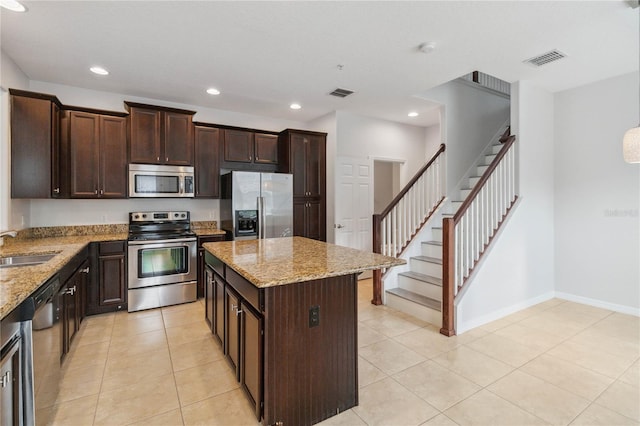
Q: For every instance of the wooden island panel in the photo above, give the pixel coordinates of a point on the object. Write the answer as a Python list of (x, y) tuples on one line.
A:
[(310, 373)]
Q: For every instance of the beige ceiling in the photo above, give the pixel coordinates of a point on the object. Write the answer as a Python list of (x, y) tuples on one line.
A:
[(264, 55)]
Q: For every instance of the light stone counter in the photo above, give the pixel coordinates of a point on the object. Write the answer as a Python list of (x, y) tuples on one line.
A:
[(19, 282), (278, 261)]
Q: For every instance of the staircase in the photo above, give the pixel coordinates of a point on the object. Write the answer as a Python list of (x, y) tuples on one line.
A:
[(419, 290), (452, 239)]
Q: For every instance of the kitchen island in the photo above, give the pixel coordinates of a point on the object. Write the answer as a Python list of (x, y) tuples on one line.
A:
[(285, 312)]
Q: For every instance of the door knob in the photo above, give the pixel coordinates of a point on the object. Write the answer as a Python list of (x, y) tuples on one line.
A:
[(338, 226)]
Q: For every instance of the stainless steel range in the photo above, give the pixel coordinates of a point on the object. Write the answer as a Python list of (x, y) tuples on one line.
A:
[(162, 259)]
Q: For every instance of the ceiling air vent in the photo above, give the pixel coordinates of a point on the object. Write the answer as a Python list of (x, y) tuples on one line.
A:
[(545, 58), (341, 93)]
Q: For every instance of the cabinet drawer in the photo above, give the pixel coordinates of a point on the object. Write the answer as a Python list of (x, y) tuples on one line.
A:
[(247, 290), (111, 247)]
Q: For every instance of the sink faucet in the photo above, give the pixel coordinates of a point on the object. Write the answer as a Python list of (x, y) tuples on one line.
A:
[(6, 234)]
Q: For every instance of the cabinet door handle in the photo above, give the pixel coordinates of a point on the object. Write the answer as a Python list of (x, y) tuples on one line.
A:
[(71, 291), (85, 270), (6, 379), (235, 308), (166, 159), (102, 192), (56, 190), (249, 158), (96, 192)]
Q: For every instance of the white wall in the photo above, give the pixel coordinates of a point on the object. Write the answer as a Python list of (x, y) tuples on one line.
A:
[(383, 181), (519, 270), (46, 212), (366, 137), (471, 118), (597, 241), (12, 211)]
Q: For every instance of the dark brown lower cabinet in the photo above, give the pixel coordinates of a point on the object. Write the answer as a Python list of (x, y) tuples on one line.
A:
[(208, 296), (73, 309), (218, 308), (251, 329), (232, 329), (307, 217), (201, 240), (107, 291)]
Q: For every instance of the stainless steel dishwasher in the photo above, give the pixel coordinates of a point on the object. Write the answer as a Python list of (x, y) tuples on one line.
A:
[(47, 342)]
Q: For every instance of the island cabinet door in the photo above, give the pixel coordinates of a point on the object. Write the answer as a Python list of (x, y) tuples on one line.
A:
[(251, 356), (208, 296), (232, 329), (218, 308)]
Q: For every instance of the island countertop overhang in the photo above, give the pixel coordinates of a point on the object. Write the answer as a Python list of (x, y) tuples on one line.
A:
[(280, 261)]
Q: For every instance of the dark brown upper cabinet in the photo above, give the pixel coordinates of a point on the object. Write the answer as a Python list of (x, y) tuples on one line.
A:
[(160, 135), (97, 145), (266, 148), (35, 146), (207, 161), (246, 149)]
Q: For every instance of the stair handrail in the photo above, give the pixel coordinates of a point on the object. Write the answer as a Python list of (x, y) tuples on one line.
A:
[(391, 237), (499, 176)]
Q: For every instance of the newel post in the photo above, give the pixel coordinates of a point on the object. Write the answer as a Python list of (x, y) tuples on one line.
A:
[(448, 276), (377, 248)]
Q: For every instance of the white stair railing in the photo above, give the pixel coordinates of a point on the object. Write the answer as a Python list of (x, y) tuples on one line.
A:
[(469, 232), (395, 227)]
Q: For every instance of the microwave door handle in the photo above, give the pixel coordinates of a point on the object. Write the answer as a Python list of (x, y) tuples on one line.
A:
[(182, 185)]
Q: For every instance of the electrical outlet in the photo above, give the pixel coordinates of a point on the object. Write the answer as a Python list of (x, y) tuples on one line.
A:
[(314, 316)]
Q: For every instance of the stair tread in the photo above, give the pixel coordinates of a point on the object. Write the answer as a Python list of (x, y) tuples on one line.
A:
[(416, 298), (422, 277), (428, 259), (433, 243)]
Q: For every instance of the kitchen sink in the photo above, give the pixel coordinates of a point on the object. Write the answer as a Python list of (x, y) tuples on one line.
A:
[(25, 260)]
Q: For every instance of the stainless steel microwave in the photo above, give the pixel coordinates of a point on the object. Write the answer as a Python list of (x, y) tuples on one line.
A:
[(157, 181)]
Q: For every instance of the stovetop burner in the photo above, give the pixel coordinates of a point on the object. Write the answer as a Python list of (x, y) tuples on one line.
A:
[(159, 225)]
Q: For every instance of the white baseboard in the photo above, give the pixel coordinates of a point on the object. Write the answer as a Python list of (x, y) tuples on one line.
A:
[(599, 303), (496, 315)]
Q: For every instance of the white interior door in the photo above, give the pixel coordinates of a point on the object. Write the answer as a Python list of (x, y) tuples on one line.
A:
[(354, 205)]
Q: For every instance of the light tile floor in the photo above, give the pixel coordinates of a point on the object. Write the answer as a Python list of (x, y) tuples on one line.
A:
[(554, 363)]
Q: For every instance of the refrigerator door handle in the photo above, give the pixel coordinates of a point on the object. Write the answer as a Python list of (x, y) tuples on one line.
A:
[(261, 218)]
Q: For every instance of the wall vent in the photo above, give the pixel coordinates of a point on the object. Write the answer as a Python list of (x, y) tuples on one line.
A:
[(341, 93), (545, 58)]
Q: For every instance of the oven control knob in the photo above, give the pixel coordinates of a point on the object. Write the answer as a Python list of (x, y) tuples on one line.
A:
[(144, 216), (183, 215), (136, 216)]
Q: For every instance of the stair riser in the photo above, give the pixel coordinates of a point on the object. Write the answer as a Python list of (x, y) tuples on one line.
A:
[(488, 159), (496, 148), (427, 268), (430, 250), (473, 181), (420, 287), (419, 311), (436, 234), (464, 193), (482, 169)]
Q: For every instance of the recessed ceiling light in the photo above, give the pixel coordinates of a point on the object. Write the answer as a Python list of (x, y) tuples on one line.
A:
[(12, 5), (295, 106), (99, 71), (213, 91), (413, 114)]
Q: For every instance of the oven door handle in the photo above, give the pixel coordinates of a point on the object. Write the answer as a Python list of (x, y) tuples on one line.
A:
[(175, 241)]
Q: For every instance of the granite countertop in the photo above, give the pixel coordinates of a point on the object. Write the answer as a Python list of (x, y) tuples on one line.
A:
[(279, 261), (204, 227), (18, 283)]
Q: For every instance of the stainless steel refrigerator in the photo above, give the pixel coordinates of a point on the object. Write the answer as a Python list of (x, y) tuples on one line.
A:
[(257, 205)]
